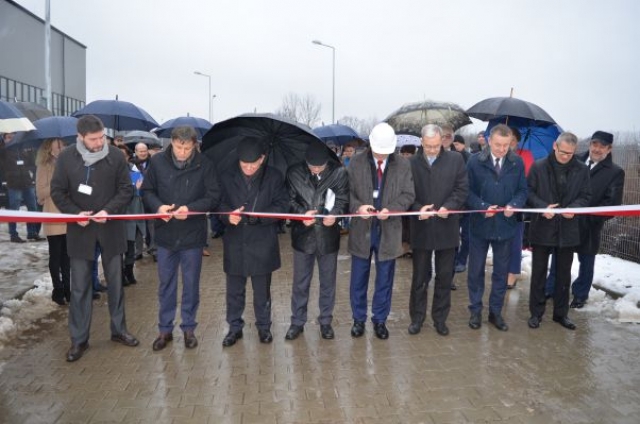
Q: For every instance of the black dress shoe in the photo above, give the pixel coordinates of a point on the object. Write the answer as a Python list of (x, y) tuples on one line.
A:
[(565, 322), (441, 328), (265, 336), (190, 340), (496, 319), (381, 330), (414, 328), (534, 322), (126, 339), (231, 338), (453, 286), (36, 238), (326, 331), (76, 351), (294, 331), (17, 239), (161, 341), (357, 330), (475, 321), (577, 303), (59, 300)]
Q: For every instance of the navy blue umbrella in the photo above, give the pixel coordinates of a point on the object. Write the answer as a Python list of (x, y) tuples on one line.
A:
[(119, 115), (200, 125), (338, 133), (63, 127)]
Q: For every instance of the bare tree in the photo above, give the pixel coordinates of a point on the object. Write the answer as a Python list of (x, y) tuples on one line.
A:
[(304, 109), (362, 126)]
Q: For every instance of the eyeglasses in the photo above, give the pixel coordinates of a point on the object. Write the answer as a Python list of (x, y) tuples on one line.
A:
[(563, 153), (433, 148)]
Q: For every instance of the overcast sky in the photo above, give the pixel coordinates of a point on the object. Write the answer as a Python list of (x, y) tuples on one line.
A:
[(577, 59)]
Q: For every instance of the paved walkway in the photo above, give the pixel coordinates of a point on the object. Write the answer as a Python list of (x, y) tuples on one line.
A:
[(547, 375)]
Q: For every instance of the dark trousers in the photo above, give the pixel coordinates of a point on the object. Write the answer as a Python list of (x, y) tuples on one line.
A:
[(189, 261), (81, 304), (539, 264), (302, 274), (381, 303), (16, 198), (582, 285), (462, 252), (478, 248), (422, 273), (515, 262), (236, 294), (59, 267)]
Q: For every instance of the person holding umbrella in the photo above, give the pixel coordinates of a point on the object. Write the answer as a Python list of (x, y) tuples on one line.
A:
[(250, 242)]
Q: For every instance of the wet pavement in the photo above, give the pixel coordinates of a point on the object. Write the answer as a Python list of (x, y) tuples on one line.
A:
[(547, 375)]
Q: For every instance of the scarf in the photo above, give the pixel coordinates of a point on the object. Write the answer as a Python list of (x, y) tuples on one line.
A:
[(88, 157), (182, 164)]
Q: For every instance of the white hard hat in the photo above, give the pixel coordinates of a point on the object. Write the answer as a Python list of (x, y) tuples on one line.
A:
[(383, 139)]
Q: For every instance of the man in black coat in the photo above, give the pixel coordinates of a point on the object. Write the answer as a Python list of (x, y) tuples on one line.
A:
[(316, 186), (557, 181), (607, 186), (178, 181), (250, 243), (440, 181), (92, 179)]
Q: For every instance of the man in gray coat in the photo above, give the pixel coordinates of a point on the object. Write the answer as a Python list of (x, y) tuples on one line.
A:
[(92, 179), (380, 182)]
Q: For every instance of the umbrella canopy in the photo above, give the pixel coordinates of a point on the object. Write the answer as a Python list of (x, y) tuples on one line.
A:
[(337, 133), (285, 141), (33, 111), (538, 137), (63, 127), (408, 139), (118, 115), (411, 117), (497, 107), (134, 137), (200, 125), (12, 120)]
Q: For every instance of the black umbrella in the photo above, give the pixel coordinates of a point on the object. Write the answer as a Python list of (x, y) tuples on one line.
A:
[(119, 115), (33, 111), (200, 125), (411, 117), (285, 141), (497, 107)]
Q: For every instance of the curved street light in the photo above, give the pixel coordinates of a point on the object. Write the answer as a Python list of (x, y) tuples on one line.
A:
[(333, 100)]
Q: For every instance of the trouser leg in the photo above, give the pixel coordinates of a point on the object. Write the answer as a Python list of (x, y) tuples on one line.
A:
[(539, 262), (563, 282), (80, 306), (419, 285), (501, 255), (478, 248), (168, 264), (327, 268), (262, 300), (112, 268), (442, 285), (359, 283), (191, 265), (236, 293), (302, 274), (381, 302)]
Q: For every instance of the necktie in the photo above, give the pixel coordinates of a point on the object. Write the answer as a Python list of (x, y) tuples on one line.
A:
[(497, 166), (380, 162)]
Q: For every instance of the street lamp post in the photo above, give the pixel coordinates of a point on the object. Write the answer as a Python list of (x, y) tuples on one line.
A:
[(210, 98), (333, 100)]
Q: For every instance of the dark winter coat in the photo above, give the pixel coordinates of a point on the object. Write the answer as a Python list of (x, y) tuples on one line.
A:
[(18, 167), (398, 194), (195, 186), (307, 193), (487, 188), (443, 184), (607, 186), (112, 192), (557, 231), (251, 247)]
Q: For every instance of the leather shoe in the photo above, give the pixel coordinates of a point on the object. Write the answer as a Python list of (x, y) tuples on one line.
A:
[(265, 336), (414, 328), (126, 339), (453, 286), (326, 331), (36, 237), (357, 330), (534, 322), (294, 331), (381, 330), (190, 340), (475, 321), (498, 322), (577, 303), (565, 322), (441, 328), (17, 239), (231, 338), (76, 351), (161, 341)]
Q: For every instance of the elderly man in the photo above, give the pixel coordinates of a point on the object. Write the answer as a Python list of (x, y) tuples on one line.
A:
[(179, 181), (440, 181), (91, 179), (558, 181), (317, 185), (380, 182), (142, 156), (496, 181)]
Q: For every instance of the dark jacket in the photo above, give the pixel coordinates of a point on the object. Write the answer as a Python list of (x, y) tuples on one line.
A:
[(18, 166), (442, 184), (607, 186), (397, 195), (111, 191), (307, 193), (251, 247), (543, 191), (487, 188), (195, 186)]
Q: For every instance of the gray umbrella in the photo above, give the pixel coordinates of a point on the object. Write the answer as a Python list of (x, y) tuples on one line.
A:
[(496, 107), (134, 137), (411, 117), (33, 111)]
